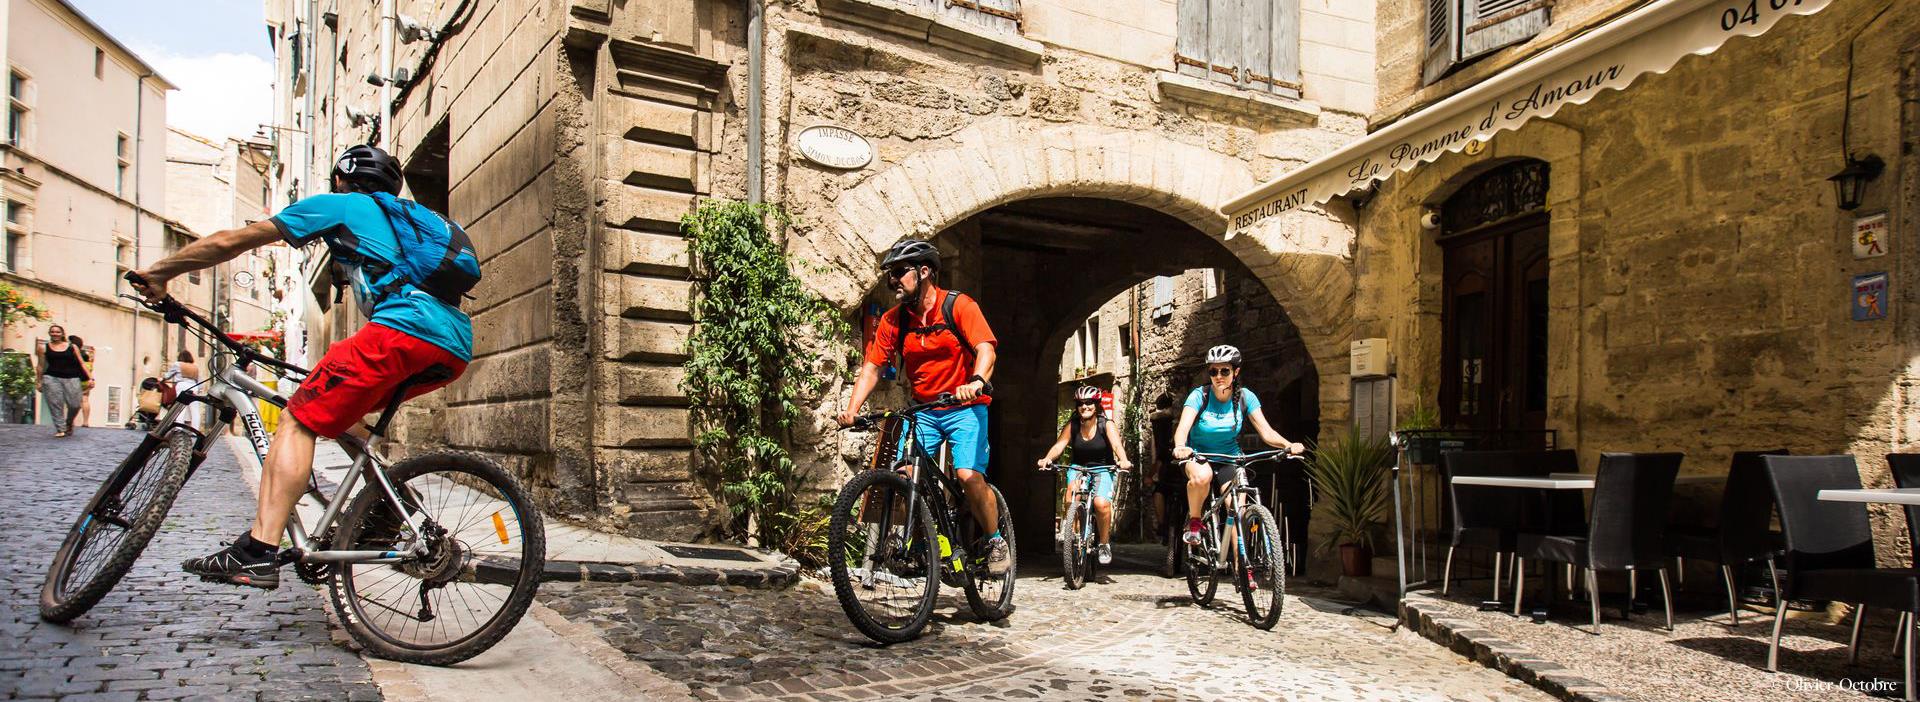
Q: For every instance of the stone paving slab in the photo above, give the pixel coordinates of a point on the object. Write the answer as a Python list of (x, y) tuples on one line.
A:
[(577, 554), (1136, 636), (161, 634), (1703, 659)]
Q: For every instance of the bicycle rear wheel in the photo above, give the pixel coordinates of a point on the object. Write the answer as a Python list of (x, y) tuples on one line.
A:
[(1263, 578), (1202, 577), (990, 596), (1073, 548), (486, 546), (116, 525), (885, 576)]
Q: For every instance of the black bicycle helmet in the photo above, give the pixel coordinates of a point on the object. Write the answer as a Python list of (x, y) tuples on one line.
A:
[(912, 252), (369, 167)]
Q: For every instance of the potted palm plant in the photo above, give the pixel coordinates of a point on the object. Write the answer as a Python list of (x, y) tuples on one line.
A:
[(1351, 474)]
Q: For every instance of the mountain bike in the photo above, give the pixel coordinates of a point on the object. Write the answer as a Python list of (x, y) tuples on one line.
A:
[(902, 527), (433, 562), (1078, 544), (1242, 538)]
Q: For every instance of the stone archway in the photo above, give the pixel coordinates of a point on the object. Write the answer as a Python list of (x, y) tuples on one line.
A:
[(1303, 260)]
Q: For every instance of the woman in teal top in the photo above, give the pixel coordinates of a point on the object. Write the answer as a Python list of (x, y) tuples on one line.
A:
[(1211, 423)]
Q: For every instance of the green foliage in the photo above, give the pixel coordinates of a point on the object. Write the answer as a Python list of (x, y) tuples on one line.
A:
[(803, 532), (16, 308), (1421, 415), (746, 365), (1352, 475), (16, 374)]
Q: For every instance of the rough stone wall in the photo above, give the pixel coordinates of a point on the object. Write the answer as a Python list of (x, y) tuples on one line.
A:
[(1700, 271)]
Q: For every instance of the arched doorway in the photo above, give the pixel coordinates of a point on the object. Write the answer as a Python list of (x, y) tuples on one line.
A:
[(1041, 266), (1494, 317)]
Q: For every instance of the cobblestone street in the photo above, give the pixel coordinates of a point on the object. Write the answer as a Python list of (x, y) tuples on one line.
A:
[(1134, 637), (160, 634)]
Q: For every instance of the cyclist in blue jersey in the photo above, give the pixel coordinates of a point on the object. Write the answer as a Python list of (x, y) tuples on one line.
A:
[(1214, 415), (413, 328)]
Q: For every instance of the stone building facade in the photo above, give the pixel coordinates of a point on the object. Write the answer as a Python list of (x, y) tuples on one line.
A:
[(218, 185), (1059, 151), (1676, 271)]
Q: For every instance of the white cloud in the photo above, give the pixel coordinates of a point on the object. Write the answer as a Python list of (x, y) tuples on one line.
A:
[(221, 95)]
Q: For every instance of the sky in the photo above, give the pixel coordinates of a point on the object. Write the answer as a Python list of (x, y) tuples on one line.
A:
[(215, 51)]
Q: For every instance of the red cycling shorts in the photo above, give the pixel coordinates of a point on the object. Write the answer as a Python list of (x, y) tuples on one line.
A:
[(357, 377)]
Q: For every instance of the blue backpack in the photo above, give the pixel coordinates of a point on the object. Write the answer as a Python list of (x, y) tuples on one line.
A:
[(435, 254)]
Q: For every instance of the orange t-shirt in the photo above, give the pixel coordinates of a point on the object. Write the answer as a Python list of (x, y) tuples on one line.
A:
[(934, 362)]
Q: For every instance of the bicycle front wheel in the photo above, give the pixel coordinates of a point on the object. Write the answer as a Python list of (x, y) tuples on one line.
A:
[(1202, 577), (1263, 577), (885, 574), (485, 548), (1073, 547), (116, 526)]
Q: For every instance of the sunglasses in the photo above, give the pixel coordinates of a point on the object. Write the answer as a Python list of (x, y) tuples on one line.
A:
[(1219, 372), (897, 271), (1088, 403)]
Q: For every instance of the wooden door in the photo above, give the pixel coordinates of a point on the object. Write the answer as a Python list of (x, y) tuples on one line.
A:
[(1494, 317)]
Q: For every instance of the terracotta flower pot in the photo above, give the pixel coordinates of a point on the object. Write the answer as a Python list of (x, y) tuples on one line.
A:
[(1356, 560)]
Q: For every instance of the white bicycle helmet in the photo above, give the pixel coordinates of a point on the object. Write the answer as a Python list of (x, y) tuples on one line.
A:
[(1086, 392), (1224, 354)]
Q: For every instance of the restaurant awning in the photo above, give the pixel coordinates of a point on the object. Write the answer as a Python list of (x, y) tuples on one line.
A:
[(1650, 39)]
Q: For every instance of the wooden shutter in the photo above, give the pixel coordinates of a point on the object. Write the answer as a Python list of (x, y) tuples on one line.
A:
[(1489, 25), (1443, 39), (1252, 44)]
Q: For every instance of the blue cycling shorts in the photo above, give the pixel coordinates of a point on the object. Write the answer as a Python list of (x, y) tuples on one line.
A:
[(1102, 482), (962, 429)]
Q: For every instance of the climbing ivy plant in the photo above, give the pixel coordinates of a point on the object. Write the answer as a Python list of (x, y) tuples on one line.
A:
[(749, 362)]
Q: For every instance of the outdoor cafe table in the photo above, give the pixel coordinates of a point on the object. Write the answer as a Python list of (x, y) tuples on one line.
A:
[(1574, 481), (1894, 496)]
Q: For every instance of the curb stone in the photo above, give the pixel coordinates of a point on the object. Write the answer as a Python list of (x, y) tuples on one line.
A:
[(1519, 663), (780, 576)]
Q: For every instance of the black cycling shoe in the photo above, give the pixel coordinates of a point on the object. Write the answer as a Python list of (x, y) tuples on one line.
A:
[(234, 566)]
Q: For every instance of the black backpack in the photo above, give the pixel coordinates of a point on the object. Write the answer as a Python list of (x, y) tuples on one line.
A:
[(946, 322)]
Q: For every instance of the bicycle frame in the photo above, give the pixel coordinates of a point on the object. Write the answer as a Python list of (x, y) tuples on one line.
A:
[(230, 394), (1081, 486)]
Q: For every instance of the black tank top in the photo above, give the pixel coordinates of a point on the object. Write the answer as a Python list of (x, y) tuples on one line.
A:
[(64, 364), (1095, 451)]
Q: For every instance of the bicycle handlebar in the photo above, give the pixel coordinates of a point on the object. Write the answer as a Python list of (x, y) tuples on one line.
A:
[(867, 421), (1247, 458), (176, 313), (1085, 469)]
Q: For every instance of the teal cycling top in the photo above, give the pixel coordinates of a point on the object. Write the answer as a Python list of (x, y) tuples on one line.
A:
[(356, 228), (1217, 428)]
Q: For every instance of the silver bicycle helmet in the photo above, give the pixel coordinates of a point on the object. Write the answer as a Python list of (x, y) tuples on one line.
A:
[(1086, 392), (1224, 354)]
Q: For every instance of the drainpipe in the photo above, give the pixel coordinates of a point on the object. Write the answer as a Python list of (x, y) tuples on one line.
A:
[(386, 75), (756, 57), (139, 164)]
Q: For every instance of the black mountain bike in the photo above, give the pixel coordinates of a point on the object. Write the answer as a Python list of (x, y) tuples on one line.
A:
[(1242, 539), (902, 528), (1078, 546), (433, 562)]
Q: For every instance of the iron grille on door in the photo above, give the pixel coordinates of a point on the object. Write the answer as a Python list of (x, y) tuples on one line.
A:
[(1252, 44)]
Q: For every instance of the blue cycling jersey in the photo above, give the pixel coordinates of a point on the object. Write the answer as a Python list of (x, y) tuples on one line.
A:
[(355, 227), (1217, 428)]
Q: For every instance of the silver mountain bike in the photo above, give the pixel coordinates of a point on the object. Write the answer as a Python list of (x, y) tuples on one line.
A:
[(433, 561)]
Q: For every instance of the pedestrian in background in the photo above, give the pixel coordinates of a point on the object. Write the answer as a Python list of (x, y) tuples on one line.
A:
[(183, 375), (62, 372), (86, 387)]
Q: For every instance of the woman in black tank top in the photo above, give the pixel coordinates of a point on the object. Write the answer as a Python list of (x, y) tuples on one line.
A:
[(1096, 442)]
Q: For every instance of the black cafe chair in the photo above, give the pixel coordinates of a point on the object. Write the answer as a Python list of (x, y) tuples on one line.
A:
[(1632, 493), (1828, 552), (1906, 474), (1745, 532), (1484, 517)]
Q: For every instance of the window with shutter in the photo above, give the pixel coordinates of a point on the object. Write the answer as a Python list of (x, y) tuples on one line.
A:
[(1252, 44), (1462, 30), (997, 15)]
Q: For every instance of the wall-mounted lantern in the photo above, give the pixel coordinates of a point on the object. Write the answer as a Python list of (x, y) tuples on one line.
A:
[(1850, 184)]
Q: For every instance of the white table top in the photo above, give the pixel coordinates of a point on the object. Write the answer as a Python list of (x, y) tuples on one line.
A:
[(1891, 496), (1565, 481)]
